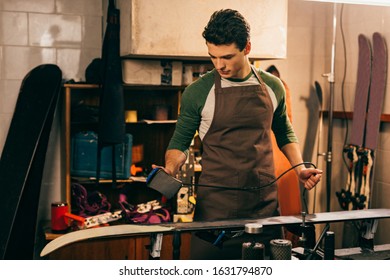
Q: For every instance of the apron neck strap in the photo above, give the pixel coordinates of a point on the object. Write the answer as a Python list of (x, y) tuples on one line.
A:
[(254, 71)]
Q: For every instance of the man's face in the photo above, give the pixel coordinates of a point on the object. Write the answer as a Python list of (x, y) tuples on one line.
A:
[(229, 61)]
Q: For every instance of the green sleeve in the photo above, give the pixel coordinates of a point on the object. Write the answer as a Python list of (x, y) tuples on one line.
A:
[(191, 106)]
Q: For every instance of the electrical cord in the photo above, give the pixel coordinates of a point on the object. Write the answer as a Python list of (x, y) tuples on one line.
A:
[(251, 188), (343, 83)]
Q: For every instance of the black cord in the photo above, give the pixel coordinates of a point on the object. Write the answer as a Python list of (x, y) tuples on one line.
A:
[(343, 84), (252, 188)]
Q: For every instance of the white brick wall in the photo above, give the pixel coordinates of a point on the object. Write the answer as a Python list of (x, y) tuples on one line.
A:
[(63, 32)]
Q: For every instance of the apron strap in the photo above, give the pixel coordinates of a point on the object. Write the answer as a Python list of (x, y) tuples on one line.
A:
[(218, 78)]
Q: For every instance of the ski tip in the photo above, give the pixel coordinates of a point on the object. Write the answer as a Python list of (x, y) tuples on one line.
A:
[(377, 35), (364, 40), (379, 41), (318, 91)]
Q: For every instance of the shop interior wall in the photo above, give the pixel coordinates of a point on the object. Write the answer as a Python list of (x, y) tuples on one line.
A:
[(309, 46)]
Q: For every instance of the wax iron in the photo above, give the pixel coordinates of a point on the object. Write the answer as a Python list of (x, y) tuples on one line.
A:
[(164, 183)]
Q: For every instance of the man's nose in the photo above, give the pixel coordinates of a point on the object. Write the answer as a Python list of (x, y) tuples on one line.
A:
[(219, 64)]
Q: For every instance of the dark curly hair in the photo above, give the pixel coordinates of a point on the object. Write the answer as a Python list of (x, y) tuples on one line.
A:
[(225, 27)]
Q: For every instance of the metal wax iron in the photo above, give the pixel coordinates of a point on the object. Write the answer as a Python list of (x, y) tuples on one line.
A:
[(164, 183)]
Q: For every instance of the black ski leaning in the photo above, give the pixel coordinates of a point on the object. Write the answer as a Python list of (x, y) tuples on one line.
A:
[(22, 160)]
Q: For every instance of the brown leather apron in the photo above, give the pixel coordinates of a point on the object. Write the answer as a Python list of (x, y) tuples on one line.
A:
[(237, 152)]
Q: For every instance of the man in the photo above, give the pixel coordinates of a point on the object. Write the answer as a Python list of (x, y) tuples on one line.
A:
[(233, 108)]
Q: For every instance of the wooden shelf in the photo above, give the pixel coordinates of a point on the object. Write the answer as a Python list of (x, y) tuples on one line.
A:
[(80, 86), (153, 87), (126, 86), (349, 115)]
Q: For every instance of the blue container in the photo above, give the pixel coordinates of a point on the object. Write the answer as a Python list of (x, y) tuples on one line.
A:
[(84, 157)]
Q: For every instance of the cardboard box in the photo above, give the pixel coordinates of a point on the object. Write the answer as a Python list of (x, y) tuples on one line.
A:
[(152, 72)]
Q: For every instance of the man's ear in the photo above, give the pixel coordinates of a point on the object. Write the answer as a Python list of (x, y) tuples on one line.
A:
[(247, 48)]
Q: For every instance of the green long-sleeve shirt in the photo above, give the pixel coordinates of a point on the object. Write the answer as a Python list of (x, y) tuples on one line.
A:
[(197, 109)]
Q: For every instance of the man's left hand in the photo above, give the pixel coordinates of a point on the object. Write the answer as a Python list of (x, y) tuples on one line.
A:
[(310, 177)]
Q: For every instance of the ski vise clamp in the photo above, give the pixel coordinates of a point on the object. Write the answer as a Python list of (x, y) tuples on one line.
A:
[(368, 230)]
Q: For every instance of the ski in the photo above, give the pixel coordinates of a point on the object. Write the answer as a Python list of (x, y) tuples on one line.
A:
[(238, 224), (345, 196), (374, 110), (362, 200), (318, 90), (23, 158), (370, 90)]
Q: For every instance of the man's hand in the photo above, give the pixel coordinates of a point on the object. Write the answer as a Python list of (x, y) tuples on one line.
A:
[(310, 177), (174, 159)]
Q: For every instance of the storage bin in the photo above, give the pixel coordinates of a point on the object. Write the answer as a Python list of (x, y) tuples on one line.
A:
[(84, 157)]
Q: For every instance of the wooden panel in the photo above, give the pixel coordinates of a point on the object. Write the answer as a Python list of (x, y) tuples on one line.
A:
[(167, 248), (141, 248), (100, 249)]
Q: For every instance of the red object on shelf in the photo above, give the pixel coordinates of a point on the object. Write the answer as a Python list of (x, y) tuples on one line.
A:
[(58, 211)]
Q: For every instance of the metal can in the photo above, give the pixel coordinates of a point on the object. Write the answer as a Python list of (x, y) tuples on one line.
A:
[(58, 221)]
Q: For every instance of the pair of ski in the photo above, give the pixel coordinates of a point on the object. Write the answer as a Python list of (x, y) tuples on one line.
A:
[(369, 96)]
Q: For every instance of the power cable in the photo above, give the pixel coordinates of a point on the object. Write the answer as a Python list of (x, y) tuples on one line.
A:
[(251, 188)]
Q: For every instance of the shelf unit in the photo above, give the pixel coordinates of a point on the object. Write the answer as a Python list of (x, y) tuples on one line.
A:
[(68, 89), (153, 135)]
